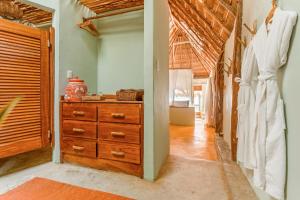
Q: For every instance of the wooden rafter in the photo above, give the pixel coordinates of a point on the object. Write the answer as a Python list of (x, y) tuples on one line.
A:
[(199, 44), (207, 23), (210, 13), (184, 17), (102, 6), (204, 24), (33, 14)]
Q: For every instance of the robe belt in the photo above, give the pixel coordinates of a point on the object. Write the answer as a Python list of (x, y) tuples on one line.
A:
[(263, 80), (267, 77)]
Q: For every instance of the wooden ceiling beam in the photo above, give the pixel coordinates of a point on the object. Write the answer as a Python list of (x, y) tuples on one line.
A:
[(33, 14), (97, 3), (101, 6), (232, 10)]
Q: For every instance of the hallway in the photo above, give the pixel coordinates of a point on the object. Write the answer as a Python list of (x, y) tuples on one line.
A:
[(197, 147)]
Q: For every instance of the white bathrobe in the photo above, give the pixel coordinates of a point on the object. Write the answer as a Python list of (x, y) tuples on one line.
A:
[(271, 45), (246, 103)]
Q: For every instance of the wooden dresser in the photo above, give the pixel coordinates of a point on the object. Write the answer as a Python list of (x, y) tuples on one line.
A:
[(104, 135)]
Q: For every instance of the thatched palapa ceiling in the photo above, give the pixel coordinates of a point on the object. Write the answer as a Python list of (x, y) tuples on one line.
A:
[(207, 24)]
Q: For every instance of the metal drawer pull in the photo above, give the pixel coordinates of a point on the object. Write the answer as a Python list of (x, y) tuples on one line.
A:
[(78, 130), (78, 148), (79, 113), (118, 134), (118, 115), (118, 153)]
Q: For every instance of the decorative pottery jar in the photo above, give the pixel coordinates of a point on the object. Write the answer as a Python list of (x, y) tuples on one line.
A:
[(75, 89)]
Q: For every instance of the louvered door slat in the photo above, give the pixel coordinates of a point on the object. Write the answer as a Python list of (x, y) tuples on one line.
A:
[(23, 73), (20, 69), (20, 128), (10, 60)]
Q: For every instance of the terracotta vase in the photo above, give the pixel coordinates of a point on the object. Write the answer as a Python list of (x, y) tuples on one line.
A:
[(75, 90)]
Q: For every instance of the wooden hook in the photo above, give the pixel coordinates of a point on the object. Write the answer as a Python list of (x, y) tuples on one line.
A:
[(90, 27), (274, 3), (242, 42), (228, 70), (252, 30), (271, 13)]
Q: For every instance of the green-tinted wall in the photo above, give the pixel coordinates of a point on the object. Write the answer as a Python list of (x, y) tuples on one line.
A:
[(78, 48), (121, 53), (156, 75), (291, 95)]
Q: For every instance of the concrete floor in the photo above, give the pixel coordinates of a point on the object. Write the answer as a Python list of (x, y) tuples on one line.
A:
[(183, 177)]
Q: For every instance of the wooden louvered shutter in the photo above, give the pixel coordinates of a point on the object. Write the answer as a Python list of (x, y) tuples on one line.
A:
[(24, 72)]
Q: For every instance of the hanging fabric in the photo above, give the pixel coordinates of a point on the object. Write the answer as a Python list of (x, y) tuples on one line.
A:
[(180, 85), (271, 45), (246, 102), (209, 101)]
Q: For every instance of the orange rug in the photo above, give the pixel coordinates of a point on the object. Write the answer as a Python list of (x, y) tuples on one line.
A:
[(44, 189)]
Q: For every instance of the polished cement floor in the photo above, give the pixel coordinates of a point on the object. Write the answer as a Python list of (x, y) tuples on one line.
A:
[(192, 172), (193, 142)]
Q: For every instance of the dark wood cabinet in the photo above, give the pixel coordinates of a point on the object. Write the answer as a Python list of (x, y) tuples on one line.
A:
[(105, 135)]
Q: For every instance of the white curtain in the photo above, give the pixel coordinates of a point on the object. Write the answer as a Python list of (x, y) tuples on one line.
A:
[(180, 88), (210, 100)]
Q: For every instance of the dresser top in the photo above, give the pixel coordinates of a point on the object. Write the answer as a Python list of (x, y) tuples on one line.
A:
[(105, 101)]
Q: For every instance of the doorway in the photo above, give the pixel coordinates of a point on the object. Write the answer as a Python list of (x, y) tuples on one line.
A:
[(26, 73), (189, 136)]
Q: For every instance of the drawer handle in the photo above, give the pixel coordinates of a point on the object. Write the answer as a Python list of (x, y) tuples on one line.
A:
[(118, 153), (78, 113), (78, 148), (118, 115), (117, 134), (78, 130)]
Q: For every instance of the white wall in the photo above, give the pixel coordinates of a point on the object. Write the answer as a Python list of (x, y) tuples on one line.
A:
[(121, 53)]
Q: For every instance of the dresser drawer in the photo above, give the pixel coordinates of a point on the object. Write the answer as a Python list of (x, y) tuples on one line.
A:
[(80, 111), (120, 113), (127, 133), (79, 147), (80, 129), (120, 152)]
